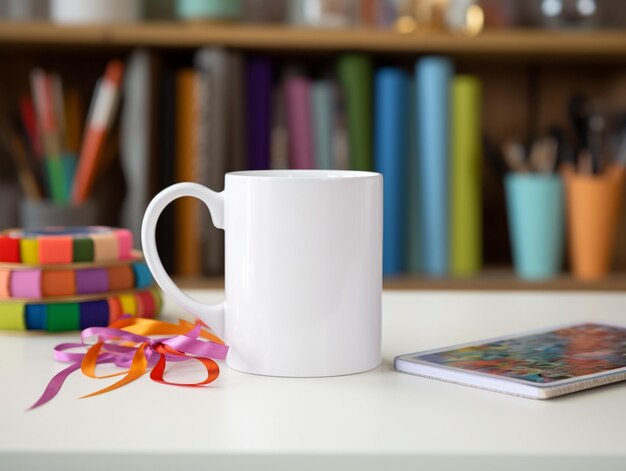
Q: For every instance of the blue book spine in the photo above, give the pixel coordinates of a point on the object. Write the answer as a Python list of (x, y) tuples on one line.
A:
[(390, 152), (414, 218), (433, 76), (322, 110)]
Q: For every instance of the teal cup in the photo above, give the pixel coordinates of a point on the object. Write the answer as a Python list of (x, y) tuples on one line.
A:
[(536, 220)]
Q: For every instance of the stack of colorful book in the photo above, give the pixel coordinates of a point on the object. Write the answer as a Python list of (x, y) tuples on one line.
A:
[(59, 279), (416, 122)]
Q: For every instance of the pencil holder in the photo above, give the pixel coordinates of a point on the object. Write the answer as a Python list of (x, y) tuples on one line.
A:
[(593, 209), (38, 214), (9, 195), (535, 210)]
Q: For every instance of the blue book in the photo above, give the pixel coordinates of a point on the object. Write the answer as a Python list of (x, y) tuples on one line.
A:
[(322, 108), (433, 76), (390, 152), (413, 217)]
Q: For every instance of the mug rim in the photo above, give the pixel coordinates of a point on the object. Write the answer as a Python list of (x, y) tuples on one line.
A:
[(304, 174)]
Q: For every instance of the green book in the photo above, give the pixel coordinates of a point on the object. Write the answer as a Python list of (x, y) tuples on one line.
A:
[(465, 178), (355, 75)]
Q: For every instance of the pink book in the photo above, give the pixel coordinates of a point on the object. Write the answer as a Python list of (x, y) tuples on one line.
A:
[(299, 126)]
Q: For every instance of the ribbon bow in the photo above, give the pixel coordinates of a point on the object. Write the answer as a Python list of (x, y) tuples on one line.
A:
[(127, 344)]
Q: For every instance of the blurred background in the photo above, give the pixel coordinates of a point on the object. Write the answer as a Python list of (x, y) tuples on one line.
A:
[(499, 125)]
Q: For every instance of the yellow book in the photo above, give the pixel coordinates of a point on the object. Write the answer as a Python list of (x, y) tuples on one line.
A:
[(465, 184)]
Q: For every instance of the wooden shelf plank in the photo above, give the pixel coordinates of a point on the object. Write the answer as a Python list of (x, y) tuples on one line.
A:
[(489, 280), (505, 280), (277, 37)]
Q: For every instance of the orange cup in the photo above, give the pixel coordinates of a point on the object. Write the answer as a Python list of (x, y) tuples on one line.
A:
[(593, 210)]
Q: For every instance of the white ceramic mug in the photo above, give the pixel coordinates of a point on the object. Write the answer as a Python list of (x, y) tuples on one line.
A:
[(303, 269)]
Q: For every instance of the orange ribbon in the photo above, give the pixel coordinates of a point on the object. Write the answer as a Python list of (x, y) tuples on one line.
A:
[(127, 343)]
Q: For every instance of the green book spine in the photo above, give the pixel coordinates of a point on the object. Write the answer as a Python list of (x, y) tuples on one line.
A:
[(466, 161), (355, 74)]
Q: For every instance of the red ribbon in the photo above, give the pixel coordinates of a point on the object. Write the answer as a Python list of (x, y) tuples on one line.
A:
[(127, 344)]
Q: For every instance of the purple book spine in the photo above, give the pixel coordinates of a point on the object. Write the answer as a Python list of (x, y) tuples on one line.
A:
[(258, 112), (298, 99)]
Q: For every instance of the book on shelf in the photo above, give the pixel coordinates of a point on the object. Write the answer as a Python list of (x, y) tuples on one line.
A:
[(465, 177), (414, 237), (258, 95), (138, 137), (322, 111), (166, 166), (390, 159), (188, 248), (196, 117), (260, 112), (432, 81), (208, 141), (279, 141), (236, 153), (355, 75), (213, 81), (299, 121)]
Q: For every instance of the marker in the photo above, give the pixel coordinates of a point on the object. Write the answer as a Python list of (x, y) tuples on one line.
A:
[(44, 108), (103, 108)]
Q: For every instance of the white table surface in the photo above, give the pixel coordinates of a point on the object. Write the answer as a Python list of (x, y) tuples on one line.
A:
[(367, 421)]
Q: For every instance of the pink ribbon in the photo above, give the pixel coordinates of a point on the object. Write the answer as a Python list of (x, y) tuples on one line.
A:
[(127, 344)]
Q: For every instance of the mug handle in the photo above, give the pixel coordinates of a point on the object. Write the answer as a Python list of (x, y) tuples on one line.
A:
[(213, 315)]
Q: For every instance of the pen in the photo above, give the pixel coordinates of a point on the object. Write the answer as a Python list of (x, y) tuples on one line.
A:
[(103, 107), (29, 124), (26, 176), (543, 154), (515, 156), (44, 108), (595, 139)]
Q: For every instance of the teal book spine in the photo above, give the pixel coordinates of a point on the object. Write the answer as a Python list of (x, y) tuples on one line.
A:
[(433, 78), (322, 106), (390, 145)]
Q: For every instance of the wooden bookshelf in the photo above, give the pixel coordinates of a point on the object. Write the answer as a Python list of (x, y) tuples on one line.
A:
[(508, 62), (516, 43), (488, 280)]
